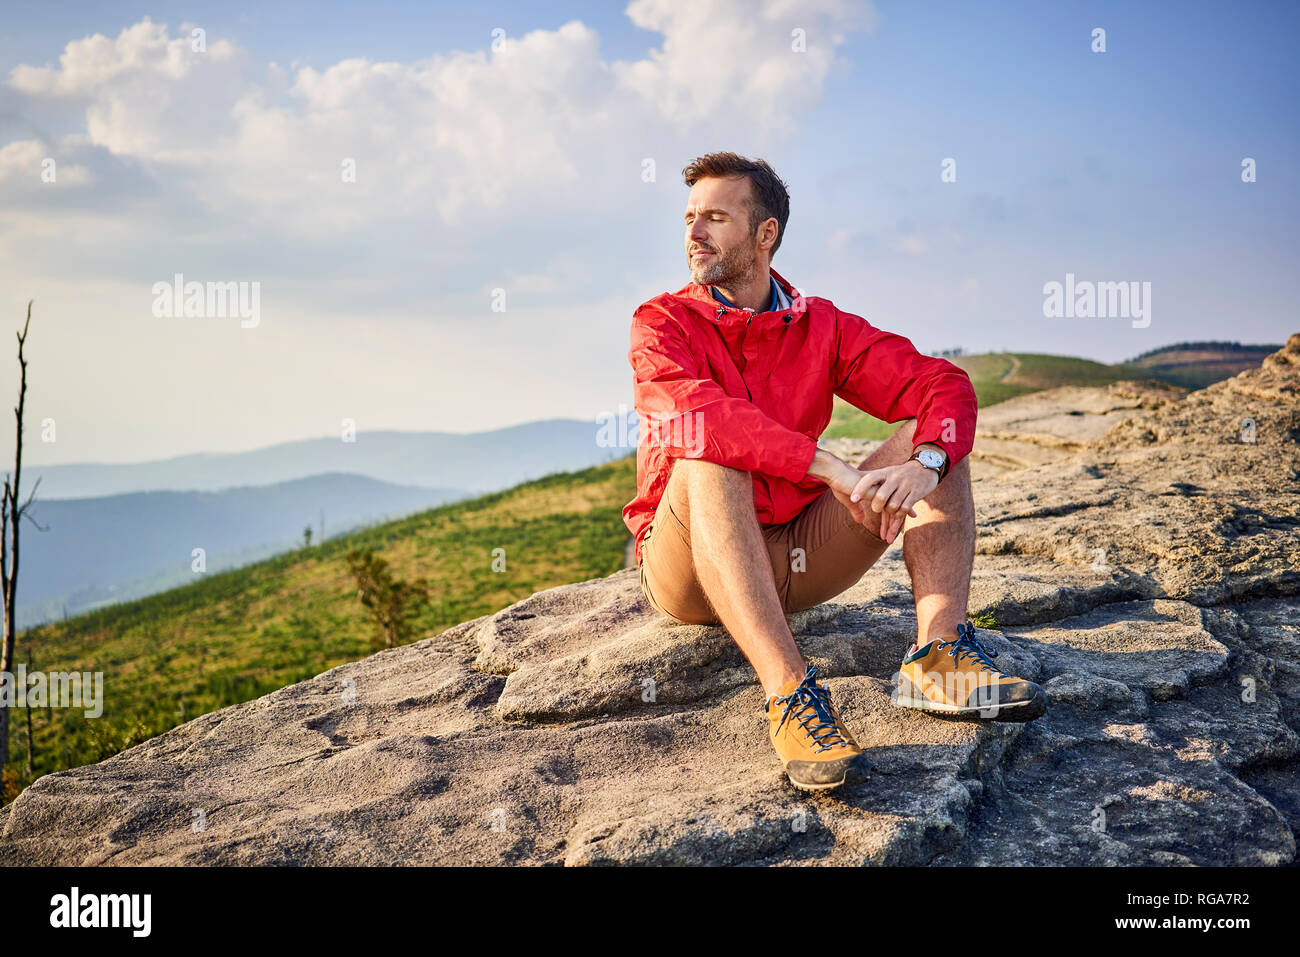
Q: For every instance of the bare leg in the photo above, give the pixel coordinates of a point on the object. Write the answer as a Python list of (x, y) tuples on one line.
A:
[(939, 544), (939, 549), (732, 564)]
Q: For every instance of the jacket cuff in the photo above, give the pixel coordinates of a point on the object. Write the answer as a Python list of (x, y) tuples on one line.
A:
[(795, 466)]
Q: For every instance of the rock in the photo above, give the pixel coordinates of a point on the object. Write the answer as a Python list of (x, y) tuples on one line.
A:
[(1143, 565), (1159, 646), (1085, 693), (1051, 425)]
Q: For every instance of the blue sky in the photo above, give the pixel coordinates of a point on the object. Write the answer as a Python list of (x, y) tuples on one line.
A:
[(519, 169)]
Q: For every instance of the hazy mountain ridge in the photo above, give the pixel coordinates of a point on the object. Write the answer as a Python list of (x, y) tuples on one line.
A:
[(476, 462), (127, 530)]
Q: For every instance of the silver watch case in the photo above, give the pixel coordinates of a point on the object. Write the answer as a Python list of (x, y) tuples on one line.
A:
[(931, 459)]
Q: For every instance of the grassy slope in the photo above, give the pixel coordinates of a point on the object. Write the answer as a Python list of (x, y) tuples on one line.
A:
[(236, 635)]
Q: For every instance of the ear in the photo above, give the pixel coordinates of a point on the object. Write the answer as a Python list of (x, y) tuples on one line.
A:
[(767, 231)]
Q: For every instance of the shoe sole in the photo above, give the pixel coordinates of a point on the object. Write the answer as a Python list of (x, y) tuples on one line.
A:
[(802, 786), (1026, 710), (796, 767)]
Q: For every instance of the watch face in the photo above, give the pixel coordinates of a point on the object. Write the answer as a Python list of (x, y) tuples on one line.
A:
[(930, 458)]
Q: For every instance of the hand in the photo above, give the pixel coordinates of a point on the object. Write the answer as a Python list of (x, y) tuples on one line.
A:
[(892, 491), (896, 489)]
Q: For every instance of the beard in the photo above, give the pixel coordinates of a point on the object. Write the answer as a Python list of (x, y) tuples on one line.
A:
[(734, 267)]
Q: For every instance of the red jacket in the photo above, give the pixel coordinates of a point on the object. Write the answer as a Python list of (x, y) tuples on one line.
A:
[(754, 391)]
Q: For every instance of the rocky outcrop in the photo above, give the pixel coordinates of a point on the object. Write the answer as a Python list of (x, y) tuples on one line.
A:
[(1146, 572), (1049, 426)]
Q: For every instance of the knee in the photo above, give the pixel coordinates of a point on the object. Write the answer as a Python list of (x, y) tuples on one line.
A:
[(696, 478), (689, 472)]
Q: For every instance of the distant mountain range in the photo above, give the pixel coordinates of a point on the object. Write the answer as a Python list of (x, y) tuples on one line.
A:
[(124, 531), (475, 462)]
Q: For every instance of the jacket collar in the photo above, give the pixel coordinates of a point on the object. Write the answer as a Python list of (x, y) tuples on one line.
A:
[(700, 299)]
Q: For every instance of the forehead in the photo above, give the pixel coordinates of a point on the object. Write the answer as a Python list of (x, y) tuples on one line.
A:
[(729, 192)]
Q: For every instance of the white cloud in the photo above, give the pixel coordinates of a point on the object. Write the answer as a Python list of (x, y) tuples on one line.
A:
[(540, 120), (23, 161), (734, 55), (88, 66)]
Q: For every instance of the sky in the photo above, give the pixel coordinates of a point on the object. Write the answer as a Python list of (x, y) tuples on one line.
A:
[(449, 212)]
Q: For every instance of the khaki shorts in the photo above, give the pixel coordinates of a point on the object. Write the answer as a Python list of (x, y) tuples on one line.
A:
[(836, 552)]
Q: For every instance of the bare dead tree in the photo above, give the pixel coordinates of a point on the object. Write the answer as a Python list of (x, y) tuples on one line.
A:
[(11, 516)]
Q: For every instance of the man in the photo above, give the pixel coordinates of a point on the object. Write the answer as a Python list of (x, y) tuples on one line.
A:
[(740, 518)]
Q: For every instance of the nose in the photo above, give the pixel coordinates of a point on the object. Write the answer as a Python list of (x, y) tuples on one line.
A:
[(697, 233)]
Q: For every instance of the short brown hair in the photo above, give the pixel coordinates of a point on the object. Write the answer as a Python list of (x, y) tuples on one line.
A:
[(770, 200)]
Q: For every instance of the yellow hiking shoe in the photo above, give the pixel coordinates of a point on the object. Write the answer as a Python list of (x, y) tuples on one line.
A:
[(957, 676), (811, 741)]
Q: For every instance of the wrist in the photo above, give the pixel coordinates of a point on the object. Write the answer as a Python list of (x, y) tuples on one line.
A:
[(824, 465), (924, 470)]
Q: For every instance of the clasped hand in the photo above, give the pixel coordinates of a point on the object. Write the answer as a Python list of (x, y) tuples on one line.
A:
[(890, 492)]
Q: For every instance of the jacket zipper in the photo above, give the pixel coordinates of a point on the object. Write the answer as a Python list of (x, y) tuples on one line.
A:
[(722, 311), (743, 334)]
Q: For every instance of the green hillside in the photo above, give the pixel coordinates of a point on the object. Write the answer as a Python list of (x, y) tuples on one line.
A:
[(237, 635)]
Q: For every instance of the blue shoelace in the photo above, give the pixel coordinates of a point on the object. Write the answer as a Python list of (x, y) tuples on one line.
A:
[(824, 731), (966, 645)]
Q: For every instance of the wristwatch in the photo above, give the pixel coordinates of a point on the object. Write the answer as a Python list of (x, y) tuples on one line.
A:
[(930, 459)]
